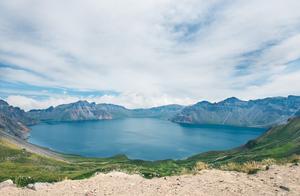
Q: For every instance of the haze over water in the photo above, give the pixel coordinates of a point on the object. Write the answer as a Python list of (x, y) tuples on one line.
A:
[(138, 138)]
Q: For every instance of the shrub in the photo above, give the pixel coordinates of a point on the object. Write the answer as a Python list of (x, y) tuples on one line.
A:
[(22, 181), (249, 167), (295, 158), (201, 166), (268, 161)]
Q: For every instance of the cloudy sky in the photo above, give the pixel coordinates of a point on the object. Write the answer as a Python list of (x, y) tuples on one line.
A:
[(142, 53)]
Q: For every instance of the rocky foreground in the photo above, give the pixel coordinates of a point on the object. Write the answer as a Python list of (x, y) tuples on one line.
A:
[(278, 180)]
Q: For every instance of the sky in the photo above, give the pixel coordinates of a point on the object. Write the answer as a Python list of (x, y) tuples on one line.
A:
[(140, 53)]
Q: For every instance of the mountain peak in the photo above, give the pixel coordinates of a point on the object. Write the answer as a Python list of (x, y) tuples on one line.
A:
[(2, 102), (231, 100), (203, 103), (82, 103)]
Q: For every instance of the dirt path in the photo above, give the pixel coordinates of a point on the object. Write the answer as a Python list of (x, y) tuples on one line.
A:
[(278, 180)]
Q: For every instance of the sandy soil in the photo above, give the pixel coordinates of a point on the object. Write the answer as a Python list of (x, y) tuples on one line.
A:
[(278, 180)]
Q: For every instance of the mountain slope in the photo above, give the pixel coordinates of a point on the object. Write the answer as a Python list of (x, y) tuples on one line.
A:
[(278, 142), (232, 111), (15, 113), (13, 120), (83, 110), (163, 112)]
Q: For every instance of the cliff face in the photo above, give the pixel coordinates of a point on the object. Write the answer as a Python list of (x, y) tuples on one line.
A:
[(163, 112), (81, 110), (256, 113), (14, 121), (15, 113)]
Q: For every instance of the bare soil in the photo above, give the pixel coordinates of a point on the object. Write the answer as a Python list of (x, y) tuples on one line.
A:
[(278, 180)]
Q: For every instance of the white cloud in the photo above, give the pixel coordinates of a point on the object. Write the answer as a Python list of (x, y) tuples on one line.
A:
[(153, 52), (129, 100)]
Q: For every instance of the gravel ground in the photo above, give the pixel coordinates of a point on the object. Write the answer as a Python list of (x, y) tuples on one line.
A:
[(278, 180)]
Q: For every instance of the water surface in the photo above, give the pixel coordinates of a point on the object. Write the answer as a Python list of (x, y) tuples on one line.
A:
[(138, 138)]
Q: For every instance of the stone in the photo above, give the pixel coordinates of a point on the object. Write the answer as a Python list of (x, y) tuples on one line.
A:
[(284, 188), (37, 186), (7, 183)]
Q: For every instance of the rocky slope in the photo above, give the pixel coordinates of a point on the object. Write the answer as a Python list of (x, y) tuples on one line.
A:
[(232, 111), (14, 121), (13, 127), (164, 112), (83, 110), (15, 113)]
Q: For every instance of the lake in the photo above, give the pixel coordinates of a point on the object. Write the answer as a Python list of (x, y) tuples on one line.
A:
[(138, 138)]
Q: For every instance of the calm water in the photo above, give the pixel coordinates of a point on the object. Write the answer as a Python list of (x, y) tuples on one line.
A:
[(138, 138)]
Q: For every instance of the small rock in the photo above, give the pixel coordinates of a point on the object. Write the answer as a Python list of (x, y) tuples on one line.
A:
[(7, 183), (37, 186), (221, 180), (31, 186), (284, 188)]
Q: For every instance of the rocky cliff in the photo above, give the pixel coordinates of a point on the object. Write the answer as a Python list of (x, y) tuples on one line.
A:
[(14, 121), (232, 111)]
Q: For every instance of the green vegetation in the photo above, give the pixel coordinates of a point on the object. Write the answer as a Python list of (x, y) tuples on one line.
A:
[(279, 145)]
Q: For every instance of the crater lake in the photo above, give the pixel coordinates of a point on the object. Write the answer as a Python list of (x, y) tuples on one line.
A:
[(138, 138)]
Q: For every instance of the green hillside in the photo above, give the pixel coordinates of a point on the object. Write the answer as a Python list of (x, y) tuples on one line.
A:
[(277, 143), (280, 143)]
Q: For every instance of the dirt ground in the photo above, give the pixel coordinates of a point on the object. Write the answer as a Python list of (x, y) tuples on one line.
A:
[(278, 180)]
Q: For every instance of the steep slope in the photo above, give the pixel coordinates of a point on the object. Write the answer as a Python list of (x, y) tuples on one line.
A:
[(81, 110), (163, 112), (232, 111), (13, 120), (15, 113), (13, 127)]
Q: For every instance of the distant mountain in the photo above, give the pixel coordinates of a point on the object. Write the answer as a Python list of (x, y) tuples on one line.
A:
[(232, 111), (13, 120), (297, 114), (163, 112), (83, 110)]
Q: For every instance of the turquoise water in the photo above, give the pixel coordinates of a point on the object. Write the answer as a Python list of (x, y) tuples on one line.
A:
[(138, 138)]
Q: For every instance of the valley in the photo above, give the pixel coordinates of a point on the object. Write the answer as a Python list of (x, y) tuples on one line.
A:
[(25, 164)]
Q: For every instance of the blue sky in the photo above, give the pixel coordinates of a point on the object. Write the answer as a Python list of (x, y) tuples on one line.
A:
[(147, 53)]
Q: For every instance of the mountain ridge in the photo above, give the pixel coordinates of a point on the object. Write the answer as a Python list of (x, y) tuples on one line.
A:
[(265, 113), (232, 111)]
